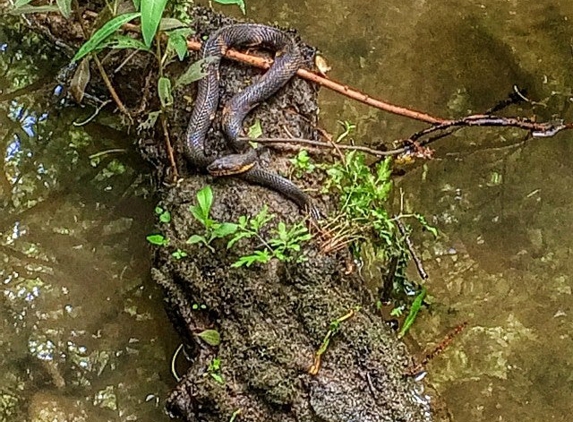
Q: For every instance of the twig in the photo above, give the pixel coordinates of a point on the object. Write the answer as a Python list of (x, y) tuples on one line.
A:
[(264, 63), (410, 245), (537, 129), (100, 67), (328, 145), (439, 349), (168, 146)]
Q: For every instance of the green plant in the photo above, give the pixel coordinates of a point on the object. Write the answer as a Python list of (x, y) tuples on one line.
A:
[(288, 241), (302, 163), (158, 240), (364, 220), (284, 245), (414, 309), (240, 3), (214, 370), (164, 215), (179, 254), (213, 229)]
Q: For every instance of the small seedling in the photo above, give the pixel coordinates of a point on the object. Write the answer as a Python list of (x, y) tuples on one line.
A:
[(164, 215), (302, 164), (214, 370), (179, 254), (158, 240), (213, 229)]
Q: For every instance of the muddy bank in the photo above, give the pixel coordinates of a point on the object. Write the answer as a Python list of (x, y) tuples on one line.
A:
[(271, 318)]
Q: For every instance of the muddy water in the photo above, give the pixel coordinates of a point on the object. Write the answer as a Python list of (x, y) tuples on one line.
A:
[(503, 203), (83, 332)]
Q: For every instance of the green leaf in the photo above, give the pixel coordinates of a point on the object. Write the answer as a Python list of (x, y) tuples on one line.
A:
[(20, 3), (157, 239), (255, 131), (426, 225), (211, 337), (261, 257), (196, 239), (205, 199), (198, 214), (239, 3), (217, 377), (167, 24), (177, 41), (179, 254), (225, 229), (238, 236), (165, 217), (65, 7), (102, 34), (137, 4), (33, 9), (196, 71), (119, 41), (151, 13), (416, 305), (164, 92)]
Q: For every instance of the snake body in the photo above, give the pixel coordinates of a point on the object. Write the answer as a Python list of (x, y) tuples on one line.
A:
[(287, 61)]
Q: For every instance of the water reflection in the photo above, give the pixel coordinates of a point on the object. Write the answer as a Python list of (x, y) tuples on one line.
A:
[(79, 321), (501, 200), (84, 335)]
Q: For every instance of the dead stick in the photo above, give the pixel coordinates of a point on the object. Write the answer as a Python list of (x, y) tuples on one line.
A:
[(100, 67), (410, 245), (264, 63), (328, 145)]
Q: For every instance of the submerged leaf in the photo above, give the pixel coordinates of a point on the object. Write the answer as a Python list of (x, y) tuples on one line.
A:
[(414, 309)]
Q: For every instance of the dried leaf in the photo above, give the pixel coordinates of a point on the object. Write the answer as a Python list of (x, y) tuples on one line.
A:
[(80, 80), (322, 65)]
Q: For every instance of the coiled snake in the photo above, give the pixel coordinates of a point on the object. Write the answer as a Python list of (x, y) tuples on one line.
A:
[(244, 163)]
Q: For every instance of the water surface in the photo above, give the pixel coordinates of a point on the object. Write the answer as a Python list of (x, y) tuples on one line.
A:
[(502, 202), (83, 329)]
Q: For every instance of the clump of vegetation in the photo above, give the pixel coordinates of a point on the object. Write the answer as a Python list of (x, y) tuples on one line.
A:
[(283, 243)]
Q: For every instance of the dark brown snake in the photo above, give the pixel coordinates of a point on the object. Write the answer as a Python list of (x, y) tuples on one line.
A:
[(244, 163)]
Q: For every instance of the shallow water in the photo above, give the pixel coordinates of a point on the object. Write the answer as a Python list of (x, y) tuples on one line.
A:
[(502, 202), (83, 333), (83, 329)]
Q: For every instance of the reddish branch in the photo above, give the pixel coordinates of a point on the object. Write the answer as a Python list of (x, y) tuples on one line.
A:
[(412, 144), (264, 63)]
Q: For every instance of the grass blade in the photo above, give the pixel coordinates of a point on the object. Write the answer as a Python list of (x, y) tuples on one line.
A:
[(65, 7), (104, 32), (151, 12)]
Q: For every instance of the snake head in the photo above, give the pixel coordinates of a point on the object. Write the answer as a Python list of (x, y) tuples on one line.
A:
[(231, 165)]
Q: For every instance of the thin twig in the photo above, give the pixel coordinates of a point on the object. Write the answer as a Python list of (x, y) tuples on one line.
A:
[(537, 129), (168, 146), (264, 63), (410, 245), (321, 144), (100, 67)]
